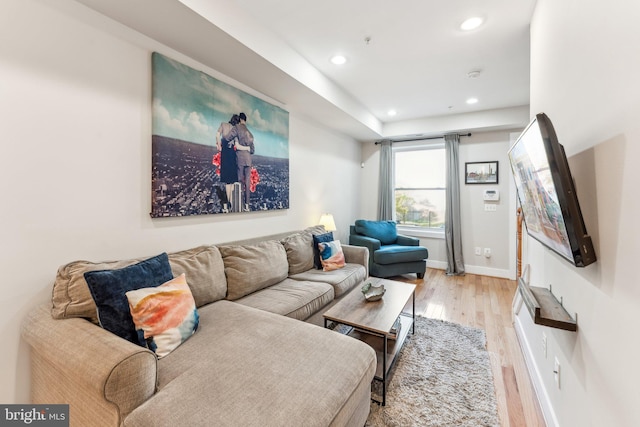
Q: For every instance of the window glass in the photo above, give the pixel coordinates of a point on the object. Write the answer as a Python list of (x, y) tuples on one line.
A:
[(420, 186)]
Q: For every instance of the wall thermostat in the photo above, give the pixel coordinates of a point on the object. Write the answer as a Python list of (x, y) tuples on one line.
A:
[(491, 195)]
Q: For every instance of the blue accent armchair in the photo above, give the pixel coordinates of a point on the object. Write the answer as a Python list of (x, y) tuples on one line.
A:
[(390, 253)]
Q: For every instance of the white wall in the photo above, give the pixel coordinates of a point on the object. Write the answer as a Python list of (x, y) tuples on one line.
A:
[(479, 227), (584, 66), (75, 163)]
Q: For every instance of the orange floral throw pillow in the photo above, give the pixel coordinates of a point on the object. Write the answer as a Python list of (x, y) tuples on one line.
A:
[(166, 315)]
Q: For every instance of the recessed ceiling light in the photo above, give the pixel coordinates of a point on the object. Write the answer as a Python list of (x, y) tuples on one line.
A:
[(472, 101), (338, 59), (471, 23), (392, 112)]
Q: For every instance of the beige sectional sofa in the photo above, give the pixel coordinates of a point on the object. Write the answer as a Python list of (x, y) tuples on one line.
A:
[(256, 359)]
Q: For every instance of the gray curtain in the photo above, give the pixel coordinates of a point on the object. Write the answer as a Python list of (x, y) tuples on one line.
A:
[(453, 235), (385, 182)]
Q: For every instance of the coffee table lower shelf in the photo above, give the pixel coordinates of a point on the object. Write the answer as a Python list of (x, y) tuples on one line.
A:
[(393, 345), (371, 322)]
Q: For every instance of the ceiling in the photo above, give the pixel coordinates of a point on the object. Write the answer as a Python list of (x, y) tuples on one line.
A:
[(408, 55), (417, 59)]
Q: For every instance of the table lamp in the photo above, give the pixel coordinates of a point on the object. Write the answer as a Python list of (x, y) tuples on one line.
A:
[(326, 219)]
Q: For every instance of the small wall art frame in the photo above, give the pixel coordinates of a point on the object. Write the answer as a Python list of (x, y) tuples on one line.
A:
[(481, 172)]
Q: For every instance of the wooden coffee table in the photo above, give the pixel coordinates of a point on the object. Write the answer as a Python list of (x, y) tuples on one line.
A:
[(372, 322)]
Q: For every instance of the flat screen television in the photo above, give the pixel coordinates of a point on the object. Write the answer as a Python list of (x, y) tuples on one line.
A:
[(547, 193)]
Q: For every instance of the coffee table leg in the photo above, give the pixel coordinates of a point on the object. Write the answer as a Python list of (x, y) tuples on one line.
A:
[(413, 325), (384, 372)]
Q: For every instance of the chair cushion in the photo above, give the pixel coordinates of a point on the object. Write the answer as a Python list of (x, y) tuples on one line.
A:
[(385, 231), (392, 254)]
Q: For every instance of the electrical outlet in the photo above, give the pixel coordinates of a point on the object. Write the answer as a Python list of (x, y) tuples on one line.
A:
[(478, 250), (544, 345), (556, 371), (487, 252)]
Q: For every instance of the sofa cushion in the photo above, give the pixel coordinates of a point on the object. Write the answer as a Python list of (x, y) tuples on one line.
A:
[(108, 288), (253, 267), (263, 370), (342, 280), (331, 255), (315, 229), (393, 254), (319, 238), (165, 316), (204, 269), (203, 265), (291, 298), (385, 231), (299, 248)]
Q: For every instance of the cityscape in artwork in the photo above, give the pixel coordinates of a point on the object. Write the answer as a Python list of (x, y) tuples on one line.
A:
[(185, 182)]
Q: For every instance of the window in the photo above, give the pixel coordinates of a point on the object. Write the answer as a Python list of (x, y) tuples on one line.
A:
[(419, 186)]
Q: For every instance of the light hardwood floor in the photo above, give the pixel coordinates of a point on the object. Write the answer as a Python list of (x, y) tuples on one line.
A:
[(484, 302)]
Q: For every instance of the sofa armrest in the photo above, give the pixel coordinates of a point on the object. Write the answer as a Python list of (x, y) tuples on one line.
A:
[(357, 255), (91, 366), (407, 240)]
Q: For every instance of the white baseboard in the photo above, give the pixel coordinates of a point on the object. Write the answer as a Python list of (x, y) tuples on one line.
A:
[(488, 271), (438, 265), (536, 378), (474, 269)]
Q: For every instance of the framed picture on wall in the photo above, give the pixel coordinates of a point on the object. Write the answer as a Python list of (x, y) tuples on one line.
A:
[(481, 172), (214, 148)]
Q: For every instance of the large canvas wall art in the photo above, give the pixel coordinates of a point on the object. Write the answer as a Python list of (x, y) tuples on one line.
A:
[(215, 148)]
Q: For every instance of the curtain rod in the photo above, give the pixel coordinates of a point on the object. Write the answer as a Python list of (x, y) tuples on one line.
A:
[(422, 138)]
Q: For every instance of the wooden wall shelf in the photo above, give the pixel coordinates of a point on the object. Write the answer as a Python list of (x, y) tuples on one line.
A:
[(544, 307)]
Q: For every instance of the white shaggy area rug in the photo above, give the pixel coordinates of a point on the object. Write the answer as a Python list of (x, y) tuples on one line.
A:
[(442, 378)]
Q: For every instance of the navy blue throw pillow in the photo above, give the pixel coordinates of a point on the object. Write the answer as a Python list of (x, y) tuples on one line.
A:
[(108, 288), (320, 238)]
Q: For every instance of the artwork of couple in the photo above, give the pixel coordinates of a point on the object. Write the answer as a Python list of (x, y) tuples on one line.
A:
[(215, 148)]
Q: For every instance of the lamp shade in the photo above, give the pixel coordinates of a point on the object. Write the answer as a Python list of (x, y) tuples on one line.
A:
[(328, 222)]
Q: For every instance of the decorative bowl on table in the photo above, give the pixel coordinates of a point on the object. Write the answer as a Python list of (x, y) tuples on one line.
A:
[(371, 292)]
